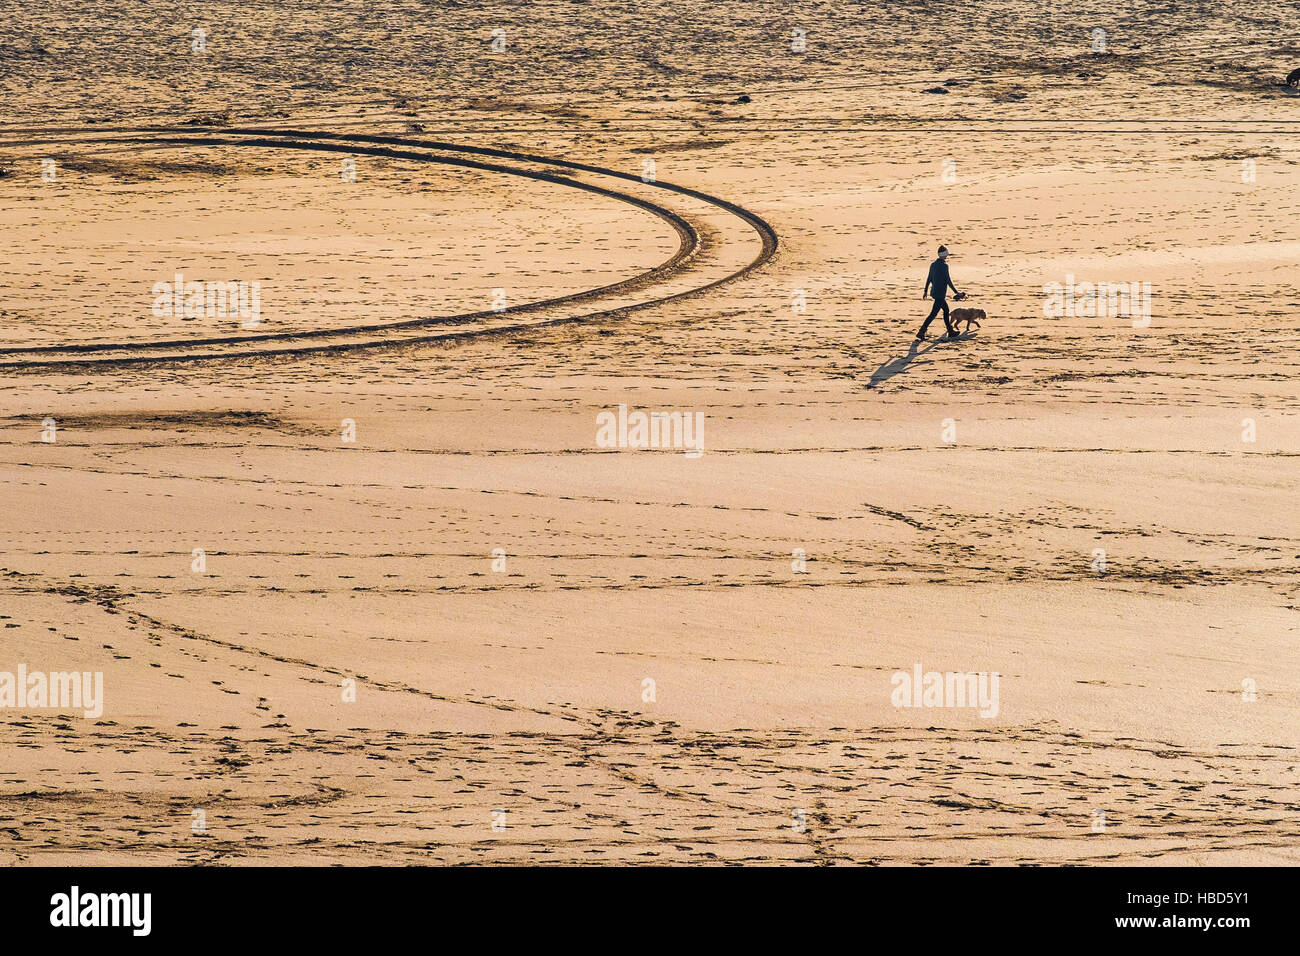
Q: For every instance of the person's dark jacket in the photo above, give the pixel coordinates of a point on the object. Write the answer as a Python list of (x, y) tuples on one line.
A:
[(938, 280)]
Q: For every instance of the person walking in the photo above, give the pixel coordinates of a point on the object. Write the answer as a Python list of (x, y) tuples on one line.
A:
[(937, 283)]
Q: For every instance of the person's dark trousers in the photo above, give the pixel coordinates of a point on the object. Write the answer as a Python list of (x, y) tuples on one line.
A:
[(938, 304)]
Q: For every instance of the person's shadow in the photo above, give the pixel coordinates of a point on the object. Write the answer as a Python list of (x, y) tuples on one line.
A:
[(900, 364)]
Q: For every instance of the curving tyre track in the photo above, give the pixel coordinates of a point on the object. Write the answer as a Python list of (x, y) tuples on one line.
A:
[(414, 331)]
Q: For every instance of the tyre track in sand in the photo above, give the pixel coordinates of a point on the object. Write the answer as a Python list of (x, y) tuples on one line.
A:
[(689, 221)]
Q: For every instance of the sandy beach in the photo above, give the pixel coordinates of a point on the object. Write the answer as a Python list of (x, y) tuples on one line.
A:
[(364, 579)]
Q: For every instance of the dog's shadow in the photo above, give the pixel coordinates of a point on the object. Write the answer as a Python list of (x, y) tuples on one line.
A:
[(896, 366)]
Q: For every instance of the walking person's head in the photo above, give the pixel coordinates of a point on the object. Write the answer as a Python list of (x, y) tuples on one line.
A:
[(943, 252)]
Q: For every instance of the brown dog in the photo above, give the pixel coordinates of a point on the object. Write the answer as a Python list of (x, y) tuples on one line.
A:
[(971, 317)]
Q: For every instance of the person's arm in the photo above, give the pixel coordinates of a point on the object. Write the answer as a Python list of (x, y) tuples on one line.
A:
[(928, 279)]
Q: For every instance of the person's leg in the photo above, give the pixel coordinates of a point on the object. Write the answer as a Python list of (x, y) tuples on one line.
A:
[(946, 321), (938, 304)]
